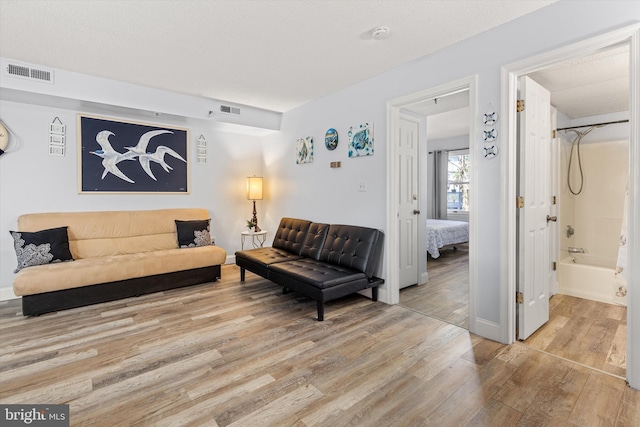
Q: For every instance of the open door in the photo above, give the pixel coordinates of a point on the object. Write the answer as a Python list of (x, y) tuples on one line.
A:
[(408, 206), (534, 207), (554, 227)]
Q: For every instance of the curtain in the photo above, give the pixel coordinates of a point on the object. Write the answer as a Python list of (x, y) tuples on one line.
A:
[(621, 276), (440, 170)]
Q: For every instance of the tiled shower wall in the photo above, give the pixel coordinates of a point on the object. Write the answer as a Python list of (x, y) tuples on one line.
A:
[(596, 213)]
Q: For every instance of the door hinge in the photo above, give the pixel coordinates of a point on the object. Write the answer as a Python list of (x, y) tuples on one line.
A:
[(519, 298), (519, 105), (554, 201), (553, 134), (554, 266), (520, 202)]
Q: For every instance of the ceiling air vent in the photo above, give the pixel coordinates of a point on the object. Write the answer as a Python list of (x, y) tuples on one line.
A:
[(229, 110), (25, 72)]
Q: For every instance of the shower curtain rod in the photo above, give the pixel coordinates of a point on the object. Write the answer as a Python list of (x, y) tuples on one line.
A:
[(596, 124)]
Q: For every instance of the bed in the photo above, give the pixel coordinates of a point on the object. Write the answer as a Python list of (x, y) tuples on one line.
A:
[(441, 232)]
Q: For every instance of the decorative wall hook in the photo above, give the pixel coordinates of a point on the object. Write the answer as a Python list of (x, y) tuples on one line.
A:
[(202, 150), (490, 118), (490, 152), (57, 144), (490, 133), (57, 127)]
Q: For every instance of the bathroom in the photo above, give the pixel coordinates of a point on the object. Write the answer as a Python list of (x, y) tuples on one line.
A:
[(593, 176)]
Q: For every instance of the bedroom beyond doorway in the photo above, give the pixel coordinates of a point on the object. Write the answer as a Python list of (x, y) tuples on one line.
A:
[(446, 295)]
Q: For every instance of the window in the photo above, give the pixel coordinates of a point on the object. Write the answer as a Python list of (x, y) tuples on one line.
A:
[(458, 181)]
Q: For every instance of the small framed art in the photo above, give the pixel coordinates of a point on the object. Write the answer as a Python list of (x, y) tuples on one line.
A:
[(304, 150), (361, 140)]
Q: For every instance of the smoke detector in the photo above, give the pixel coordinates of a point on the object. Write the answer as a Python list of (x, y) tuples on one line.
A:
[(380, 33)]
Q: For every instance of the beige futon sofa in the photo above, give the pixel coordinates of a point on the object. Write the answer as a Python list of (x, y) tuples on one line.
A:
[(116, 254)]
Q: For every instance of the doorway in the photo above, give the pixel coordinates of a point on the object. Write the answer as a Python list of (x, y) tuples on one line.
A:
[(443, 292), (586, 321), (630, 36), (395, 110)]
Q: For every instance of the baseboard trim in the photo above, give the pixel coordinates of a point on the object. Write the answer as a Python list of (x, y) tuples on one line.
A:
[(487, 329), (7, 294), (424, 278), (383, 295)]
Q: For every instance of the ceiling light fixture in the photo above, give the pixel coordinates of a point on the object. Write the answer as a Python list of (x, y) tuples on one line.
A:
[(380, 33)]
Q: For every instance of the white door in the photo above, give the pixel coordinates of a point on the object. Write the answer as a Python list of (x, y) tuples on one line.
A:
[(534, 186), (408, 206), (554, 227)]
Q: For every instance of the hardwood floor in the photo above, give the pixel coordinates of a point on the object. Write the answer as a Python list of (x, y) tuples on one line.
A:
[(232, 354), (446, 295), (585, 331)]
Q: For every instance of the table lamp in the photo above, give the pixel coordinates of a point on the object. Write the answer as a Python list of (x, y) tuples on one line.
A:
[(254, 192)]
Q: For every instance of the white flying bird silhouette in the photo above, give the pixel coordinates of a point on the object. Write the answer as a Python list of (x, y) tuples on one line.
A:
[(110, 157), (146, 158)]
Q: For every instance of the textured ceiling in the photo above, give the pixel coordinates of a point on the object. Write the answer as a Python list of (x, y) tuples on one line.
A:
[(272, 54), (591, 85)]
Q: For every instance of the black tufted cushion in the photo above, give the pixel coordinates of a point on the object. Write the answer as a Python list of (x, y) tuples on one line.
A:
[(315, 239), (354, 247), (291, 234), (266, 256), (316, 273)]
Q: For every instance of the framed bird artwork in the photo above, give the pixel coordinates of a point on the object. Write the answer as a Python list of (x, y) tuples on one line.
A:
[(117, 156)]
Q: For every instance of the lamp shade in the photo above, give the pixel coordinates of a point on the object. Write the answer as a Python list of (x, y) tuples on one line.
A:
[(254, 188)]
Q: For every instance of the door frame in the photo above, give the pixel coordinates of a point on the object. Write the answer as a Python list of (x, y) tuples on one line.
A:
[(508, 230), (391, 294)]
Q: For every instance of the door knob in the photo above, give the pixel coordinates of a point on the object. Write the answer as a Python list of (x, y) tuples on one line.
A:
[(416, 212), (552, 218)]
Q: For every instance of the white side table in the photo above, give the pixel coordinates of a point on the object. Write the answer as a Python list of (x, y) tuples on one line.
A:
[(257, 238)]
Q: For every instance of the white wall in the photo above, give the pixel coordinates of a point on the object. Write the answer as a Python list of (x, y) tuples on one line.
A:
[(454, 143), (314, 191), (33, 181)]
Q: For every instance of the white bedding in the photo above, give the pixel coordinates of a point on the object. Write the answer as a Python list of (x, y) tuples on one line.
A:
[(442, 232)]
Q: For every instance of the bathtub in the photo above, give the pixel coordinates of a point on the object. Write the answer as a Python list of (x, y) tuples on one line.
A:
[(589, 277)]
